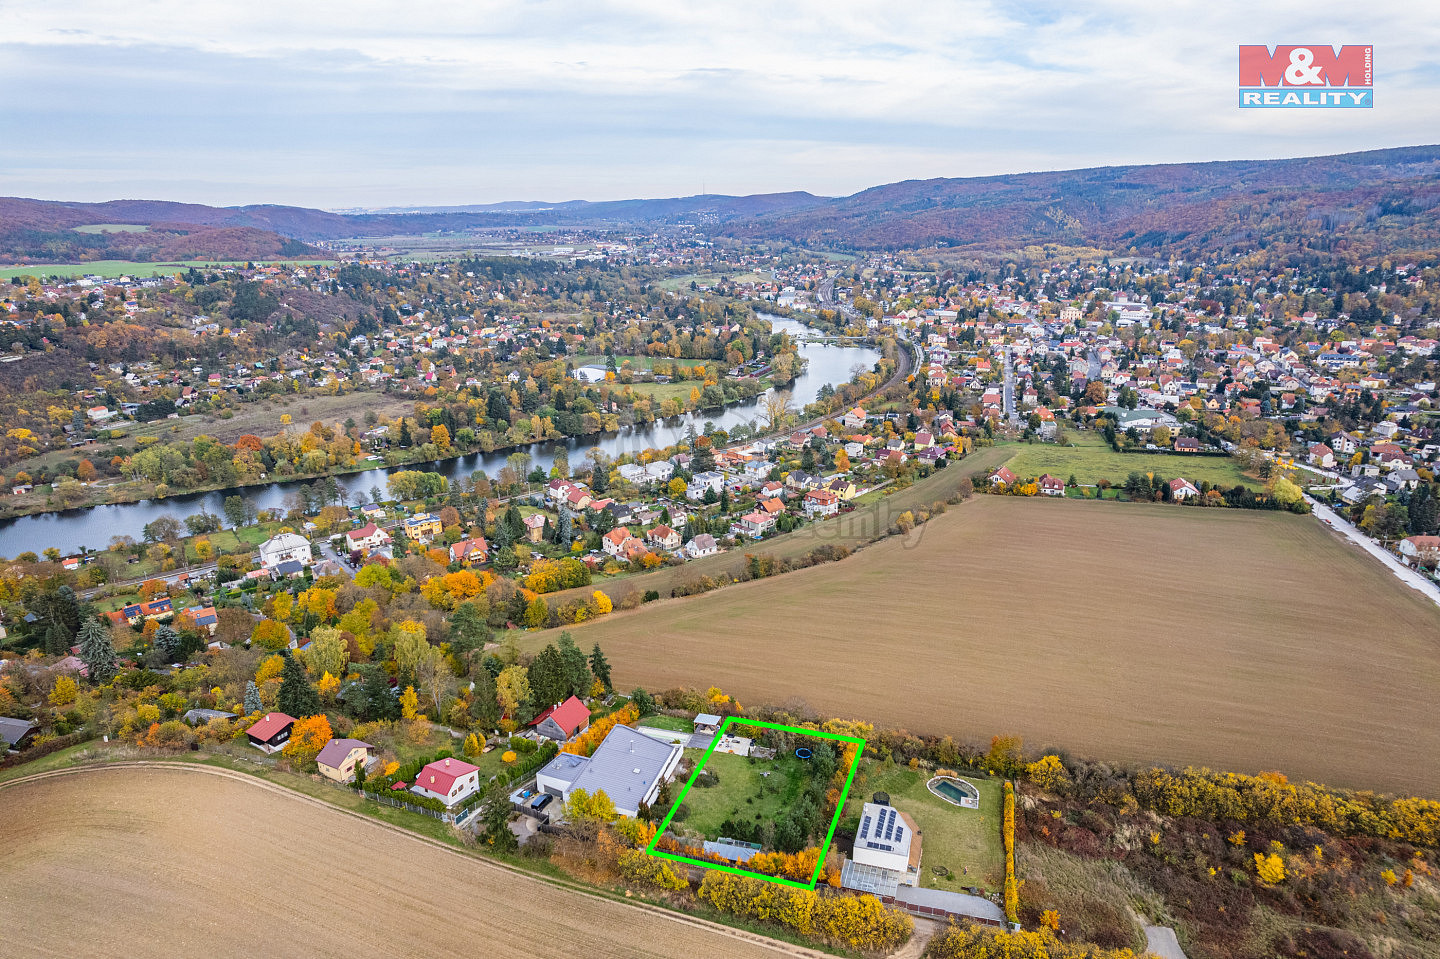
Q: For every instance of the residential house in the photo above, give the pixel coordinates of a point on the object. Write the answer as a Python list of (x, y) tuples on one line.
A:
[(615, 541), (15, 733), (423, 527), (664, 537), (821, 502), (339, 758), (367, 538), (448, 780), (1002, 475), (854, 420), (1321, 455), (285, 548), (628, 766), (474, 550), (1421, 550), (1052, 485), (1186, 444), (842, 487), (271, 733), (702, 545), (756, 523), (563, 721), (135, 613), (534, 527), (1182, 489)]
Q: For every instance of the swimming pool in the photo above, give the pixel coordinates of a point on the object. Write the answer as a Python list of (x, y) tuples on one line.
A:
[(955, 791)]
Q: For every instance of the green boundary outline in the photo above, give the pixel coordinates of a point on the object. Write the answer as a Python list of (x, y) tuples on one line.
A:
[(829, 835)]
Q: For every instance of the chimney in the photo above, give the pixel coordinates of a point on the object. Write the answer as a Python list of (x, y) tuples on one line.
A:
[(447, 764)]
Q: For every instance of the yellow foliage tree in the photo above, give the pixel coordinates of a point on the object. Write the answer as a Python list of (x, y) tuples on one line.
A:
[(270, 668), (328, 686), (1270, 869), (64, 692), (308, 736), (409, 702)]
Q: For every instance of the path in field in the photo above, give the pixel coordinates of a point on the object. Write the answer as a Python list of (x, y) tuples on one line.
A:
[(192, 861), (1160, 941), (1238, 639)]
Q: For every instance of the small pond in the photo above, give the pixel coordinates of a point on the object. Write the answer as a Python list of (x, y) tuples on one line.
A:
[(956, 791)]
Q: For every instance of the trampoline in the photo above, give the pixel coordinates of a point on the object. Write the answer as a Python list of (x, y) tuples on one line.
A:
[(803, 753)]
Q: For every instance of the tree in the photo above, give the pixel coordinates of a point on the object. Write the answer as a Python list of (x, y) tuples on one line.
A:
[(409, 702), (484, 707), (642, 701), (253, 704), (268, 634), (582, 807), (378, 700), (64, 691), (548, 682), (307, 737), (600, 667), (97, 652), (167, 641), (512, 689), (328, 652), (468, 629), (575, 668), (495, 822), (440, 436), (296, 697)]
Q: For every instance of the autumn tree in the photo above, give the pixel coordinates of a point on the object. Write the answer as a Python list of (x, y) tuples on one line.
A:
[(328, 652), (268, 634), (512, 689), (307, 737)]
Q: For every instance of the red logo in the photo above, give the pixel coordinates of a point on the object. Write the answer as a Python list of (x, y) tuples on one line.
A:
[(1317, 65)]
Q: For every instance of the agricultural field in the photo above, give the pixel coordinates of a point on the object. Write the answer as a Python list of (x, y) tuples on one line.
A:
[(98, 864), (117, 268), (1091, 460), (1135, 632), (966, 842), (262, 418), (849, 530)]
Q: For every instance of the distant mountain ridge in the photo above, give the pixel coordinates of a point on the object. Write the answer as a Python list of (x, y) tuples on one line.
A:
[(1378, 198)]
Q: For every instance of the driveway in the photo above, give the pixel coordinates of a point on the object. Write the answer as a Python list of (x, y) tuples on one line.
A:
[(1404, 573)]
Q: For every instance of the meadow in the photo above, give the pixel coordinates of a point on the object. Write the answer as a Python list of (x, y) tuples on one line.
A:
[(1132, 632), (1090, 460), (98, 862)]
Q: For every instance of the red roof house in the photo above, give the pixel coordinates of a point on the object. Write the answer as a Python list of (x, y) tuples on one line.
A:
[(448, 780), (563, 721), (271, 733)]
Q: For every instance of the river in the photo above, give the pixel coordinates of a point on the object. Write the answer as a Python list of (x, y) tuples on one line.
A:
[(95, 526)]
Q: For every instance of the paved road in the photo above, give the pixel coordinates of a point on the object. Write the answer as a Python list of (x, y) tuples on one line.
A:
[(1011, 416), (1160, 941), (1094, 372), (1404, 573)]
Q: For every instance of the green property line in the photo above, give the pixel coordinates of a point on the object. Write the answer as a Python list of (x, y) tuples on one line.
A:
[(829, 835)]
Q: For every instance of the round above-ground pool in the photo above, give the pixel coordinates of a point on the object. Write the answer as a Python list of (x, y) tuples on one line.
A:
[(956, 791), (803, 753)]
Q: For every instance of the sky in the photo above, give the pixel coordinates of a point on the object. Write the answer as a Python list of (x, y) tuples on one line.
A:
[(368, 104)]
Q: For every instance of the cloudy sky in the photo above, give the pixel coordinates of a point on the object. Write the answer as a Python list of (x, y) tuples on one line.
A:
[(363, 103)]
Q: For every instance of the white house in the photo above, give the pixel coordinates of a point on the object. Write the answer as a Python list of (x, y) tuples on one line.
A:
[(702, 545), (701, 482), (884, 838), (284, 548), (448, 780), (628, 766)]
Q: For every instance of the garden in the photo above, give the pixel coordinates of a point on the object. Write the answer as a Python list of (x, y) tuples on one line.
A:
[(964, 843)]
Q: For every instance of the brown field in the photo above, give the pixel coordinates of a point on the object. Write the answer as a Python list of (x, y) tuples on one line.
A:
[(1241, 640), (848, 529), (178, 862)]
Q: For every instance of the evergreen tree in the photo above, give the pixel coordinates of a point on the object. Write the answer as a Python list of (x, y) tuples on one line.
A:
[(468, 630), (600, 667), (404, 433), (253, 703), (496, 822), (56, 640), (548, 684), (577, 669), (378, 702), (97, 652), (566, 533), (167, 641), (484, 707), (296, 697)]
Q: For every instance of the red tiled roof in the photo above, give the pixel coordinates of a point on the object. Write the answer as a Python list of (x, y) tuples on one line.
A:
[(571, 715), (439, 776), (269, 725)]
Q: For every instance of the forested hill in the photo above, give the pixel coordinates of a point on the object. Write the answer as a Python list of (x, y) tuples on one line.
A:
[(1384, 199), (1355, 203)]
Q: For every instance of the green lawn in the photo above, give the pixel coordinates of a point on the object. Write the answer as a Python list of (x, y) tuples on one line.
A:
[(677, 723), (743, 791), (1090, 460), (966, 841)]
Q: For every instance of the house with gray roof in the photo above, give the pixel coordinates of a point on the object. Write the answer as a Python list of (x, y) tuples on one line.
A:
[(14, 732), (628, 766)]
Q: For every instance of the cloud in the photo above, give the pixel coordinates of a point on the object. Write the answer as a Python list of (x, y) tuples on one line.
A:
[(369, 103)]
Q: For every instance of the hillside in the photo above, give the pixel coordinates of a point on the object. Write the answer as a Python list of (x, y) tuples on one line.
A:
[(1359, 202), (1379, 197)]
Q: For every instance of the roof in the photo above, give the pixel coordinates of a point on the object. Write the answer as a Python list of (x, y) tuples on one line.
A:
[(735, 852), (440, 776), (205, 715), (707, 719), (269, 725), (14, 730), (626, 765), (333, 753), (364, 532), (571, 715), (565, 767), (957, 903), (284, 541), (882, 831)]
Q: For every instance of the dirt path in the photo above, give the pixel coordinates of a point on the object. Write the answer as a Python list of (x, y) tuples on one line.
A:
[(1160, 941), (165, 859)]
